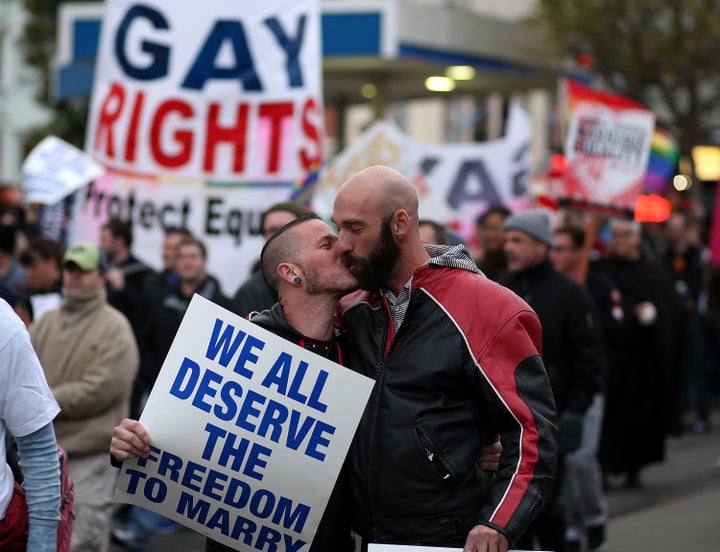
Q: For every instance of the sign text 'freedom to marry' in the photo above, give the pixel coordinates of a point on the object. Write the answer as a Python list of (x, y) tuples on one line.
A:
[(249, 433)]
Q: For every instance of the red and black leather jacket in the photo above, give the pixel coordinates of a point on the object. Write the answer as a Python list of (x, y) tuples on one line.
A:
[(464, 365)]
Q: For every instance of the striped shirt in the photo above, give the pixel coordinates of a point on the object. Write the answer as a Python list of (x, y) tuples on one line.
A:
[(457, 256)]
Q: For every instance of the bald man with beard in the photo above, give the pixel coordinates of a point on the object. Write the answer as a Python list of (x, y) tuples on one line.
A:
[(456, 359)]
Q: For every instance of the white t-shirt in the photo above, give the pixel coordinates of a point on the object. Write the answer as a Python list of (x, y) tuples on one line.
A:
[(26, 402)]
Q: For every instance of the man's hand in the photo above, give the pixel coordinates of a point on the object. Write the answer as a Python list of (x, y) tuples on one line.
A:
[(115, 279), (490, 455), (482, 538), (130, 440)]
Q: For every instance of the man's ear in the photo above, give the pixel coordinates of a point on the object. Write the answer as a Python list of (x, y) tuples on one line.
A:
[(401, 223), (288, 272)]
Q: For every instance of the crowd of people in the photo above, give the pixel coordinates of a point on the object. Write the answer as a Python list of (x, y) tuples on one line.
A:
[(554, 353)]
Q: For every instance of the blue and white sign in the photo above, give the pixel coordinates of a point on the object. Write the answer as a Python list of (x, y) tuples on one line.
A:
[(249, 433), (55, 169)]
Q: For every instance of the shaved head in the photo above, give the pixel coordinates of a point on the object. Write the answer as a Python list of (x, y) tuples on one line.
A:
[(376, 213), (382, 189)]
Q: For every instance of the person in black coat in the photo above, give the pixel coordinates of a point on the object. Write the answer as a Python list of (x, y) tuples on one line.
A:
[(165, 311), (643, 367), (572, 347)]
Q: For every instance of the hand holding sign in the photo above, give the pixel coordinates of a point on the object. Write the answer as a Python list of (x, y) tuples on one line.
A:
[(236, 413)]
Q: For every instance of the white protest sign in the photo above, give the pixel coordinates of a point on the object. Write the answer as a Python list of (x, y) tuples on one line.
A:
[(249, 433), (154, 204), (410, 548), (455, 182), (607, 149), (54, 169), (216, 90), (219, 101)]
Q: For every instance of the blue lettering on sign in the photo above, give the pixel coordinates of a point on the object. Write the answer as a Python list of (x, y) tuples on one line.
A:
[(206, 388), (237, 527), (318, 439), (289, 382), (473, 174), (291, 47), (135, 478), (160, 54), (256, 413), (226, 342), (186, 379), (254, 455), (205, 69), (205, 66)]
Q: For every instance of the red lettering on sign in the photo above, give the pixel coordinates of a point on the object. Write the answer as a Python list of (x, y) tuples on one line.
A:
[(313, 157), (235, 135), (167, 135), (110, 112), (276, 113), (131, 140), (182, 137)]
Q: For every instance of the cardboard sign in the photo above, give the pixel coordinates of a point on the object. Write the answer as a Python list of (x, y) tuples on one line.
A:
[(249, 433)]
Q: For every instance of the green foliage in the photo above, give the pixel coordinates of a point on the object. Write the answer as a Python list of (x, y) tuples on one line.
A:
[(38, 44), (659, 52)]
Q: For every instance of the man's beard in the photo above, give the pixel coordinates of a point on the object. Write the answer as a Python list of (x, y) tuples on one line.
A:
[(373, 272)]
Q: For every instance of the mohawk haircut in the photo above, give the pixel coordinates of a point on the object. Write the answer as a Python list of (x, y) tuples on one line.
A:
[(281, 247)]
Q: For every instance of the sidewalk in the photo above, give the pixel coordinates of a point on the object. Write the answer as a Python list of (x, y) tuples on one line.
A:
[(690, 524), (677, 509)]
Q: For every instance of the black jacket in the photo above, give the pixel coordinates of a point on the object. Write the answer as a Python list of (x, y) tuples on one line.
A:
[(253, 295), (160, 320), (572, 345), (463, 365)]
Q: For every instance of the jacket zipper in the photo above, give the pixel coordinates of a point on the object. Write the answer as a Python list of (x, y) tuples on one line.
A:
[(433, 457)]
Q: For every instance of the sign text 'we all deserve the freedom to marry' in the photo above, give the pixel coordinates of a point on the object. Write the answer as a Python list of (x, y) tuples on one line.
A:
[(248, 432)]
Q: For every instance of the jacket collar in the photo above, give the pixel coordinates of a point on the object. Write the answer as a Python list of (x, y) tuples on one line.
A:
[(84, 303)]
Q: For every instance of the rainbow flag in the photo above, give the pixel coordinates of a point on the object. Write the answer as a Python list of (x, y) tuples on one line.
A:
[(304, 188), (663, 162)]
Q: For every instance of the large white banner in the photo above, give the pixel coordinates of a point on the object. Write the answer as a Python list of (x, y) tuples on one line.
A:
[(249, 433), (216, 101), (455, 182), (215, 90)]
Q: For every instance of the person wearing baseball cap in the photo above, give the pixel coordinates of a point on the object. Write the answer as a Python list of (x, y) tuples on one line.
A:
[(572, 348), (85, 256), (90, 358)]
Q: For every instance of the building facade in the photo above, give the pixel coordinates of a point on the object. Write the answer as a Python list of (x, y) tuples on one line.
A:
[(19, 111)]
